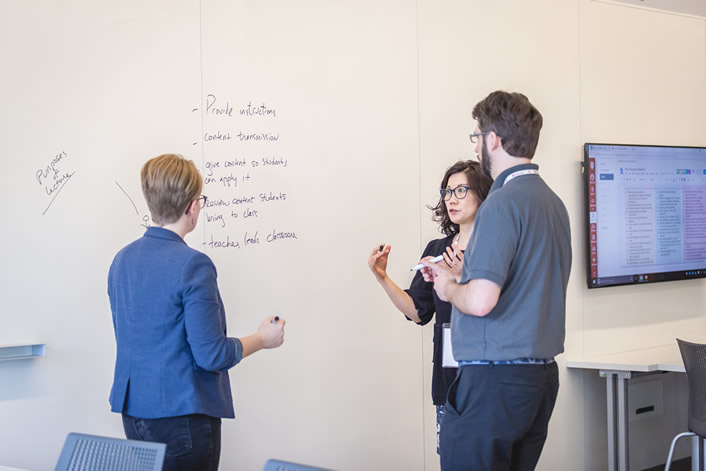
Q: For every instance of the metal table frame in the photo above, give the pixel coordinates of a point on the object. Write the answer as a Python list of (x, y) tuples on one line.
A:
[(617, 369)]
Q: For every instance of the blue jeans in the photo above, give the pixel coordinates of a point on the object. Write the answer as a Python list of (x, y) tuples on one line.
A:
[(193, 441), (439, 416)]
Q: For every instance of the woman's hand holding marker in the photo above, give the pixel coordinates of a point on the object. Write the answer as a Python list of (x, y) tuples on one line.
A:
[(271, 332), (377, 261)]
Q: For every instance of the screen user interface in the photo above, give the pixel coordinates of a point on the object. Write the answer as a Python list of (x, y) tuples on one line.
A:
[(646, 213)]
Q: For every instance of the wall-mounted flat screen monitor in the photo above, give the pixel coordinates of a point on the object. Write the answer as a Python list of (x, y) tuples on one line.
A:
[(645, 212)]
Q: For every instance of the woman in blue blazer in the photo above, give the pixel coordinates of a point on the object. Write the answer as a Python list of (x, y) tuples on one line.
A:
[(171, 380)]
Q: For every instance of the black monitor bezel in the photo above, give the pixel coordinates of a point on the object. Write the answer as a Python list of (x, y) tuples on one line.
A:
[(647, 278)]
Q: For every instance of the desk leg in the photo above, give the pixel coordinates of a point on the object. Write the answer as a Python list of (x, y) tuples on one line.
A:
[(623, 444), (612, 428), (617, 407)]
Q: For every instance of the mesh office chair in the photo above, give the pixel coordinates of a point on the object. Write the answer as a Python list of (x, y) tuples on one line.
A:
[(93, 453), (694, 357), (277, 465)]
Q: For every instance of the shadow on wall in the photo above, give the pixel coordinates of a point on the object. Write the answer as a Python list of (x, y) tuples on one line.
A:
[(637, 305), (20, 379)]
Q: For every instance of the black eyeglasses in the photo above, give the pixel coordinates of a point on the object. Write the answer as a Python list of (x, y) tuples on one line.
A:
[(474, 137), (459, 192), (202, 200)]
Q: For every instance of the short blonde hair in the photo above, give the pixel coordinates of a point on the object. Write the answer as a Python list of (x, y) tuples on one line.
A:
[(170, 183)]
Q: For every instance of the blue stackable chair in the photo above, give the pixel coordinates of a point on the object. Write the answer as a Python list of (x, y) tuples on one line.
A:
[(94, 453)]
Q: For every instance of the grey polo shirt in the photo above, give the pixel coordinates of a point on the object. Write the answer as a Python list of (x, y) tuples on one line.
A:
[(521, 242)]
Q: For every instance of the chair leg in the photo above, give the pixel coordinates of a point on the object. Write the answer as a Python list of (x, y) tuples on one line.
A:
[(674, 442), (699, 454)]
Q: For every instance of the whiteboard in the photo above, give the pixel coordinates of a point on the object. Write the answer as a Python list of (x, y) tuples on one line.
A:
[(303, 120)]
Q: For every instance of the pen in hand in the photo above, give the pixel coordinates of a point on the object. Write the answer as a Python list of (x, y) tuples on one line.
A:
[(275, 320), (436, 259)]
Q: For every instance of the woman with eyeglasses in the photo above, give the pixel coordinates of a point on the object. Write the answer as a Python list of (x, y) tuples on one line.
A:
[(463, 189), (173, 354)]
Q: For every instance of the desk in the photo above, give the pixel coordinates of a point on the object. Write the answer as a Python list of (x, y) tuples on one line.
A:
[(617, 369)]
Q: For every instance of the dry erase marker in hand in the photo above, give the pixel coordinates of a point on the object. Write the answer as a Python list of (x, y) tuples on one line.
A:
[(274, 321), (433, 260)]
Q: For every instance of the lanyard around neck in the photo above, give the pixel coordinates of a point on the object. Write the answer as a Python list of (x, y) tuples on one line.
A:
[(520, 173)]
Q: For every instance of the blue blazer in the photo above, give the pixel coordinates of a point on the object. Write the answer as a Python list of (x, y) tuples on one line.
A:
[(170, 327)]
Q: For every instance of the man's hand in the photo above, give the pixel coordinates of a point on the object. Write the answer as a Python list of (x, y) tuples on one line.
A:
[(442, 275)]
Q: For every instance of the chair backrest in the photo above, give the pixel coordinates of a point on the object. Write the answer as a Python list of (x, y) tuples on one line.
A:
[(277, 465), (93, 453), (694, 357)]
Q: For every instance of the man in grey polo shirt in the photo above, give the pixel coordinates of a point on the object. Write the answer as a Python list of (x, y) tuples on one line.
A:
[(508, 319)]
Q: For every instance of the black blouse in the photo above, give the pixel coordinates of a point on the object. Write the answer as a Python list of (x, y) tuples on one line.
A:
[(427, 303)]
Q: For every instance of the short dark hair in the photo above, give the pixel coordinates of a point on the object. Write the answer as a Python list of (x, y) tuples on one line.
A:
[(480, 186), (513, 118)]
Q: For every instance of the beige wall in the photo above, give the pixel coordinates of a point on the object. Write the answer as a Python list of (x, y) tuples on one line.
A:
[(380, 97), (599, 72)]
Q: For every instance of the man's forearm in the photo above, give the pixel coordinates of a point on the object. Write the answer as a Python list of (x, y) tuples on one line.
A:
[(475, 298)]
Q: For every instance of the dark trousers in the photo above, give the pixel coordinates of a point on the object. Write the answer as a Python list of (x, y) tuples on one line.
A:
[(497, 417), (193, 441)]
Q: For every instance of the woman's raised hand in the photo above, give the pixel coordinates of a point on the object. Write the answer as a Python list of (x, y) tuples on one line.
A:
[(377, 261)]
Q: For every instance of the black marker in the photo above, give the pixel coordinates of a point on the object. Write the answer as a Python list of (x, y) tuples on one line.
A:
[(381, 248), (274, 321)]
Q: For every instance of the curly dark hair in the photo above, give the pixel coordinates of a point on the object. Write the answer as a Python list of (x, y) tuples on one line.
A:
[(480, 186)]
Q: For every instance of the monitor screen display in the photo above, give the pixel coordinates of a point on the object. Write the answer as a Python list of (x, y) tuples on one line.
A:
[(646, 213)]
